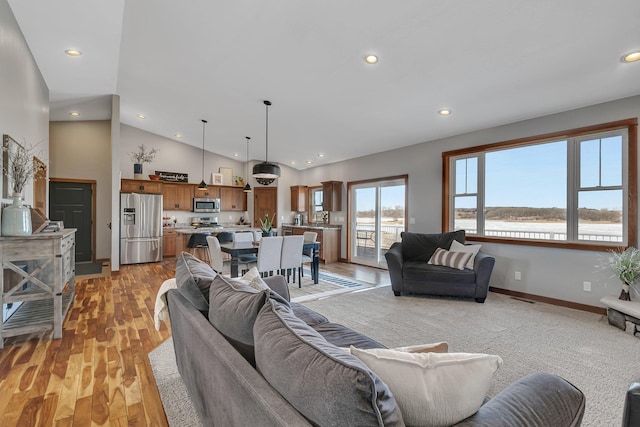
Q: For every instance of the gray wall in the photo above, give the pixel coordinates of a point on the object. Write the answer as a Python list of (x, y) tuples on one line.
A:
[(555, 273), (24, 100)]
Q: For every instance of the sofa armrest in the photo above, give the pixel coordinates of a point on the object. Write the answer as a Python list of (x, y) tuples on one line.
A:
[(483, 267), (631, 415), (394, 263), (278, 284), (537, 400)]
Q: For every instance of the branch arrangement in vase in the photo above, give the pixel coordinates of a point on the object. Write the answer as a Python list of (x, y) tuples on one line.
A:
[(142, 155), (20, 166)]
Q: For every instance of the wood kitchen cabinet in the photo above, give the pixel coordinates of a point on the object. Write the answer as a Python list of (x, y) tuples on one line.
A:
[(329, 239), (212, 192), (140, 186), (233, 199), (332, 196), (169, 247), (181, 243), (177, 197), (299, 198)]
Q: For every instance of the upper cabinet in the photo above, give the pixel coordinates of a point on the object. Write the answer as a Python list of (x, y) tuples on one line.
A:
[(332, 195), (233, 199), (140, 186), (299, 198), (212, 192), (177, 197)]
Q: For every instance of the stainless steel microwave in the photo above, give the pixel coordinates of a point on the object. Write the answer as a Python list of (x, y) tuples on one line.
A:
[(206, 205)]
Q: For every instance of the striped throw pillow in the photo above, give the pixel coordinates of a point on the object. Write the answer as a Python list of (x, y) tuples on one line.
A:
[(450, 258)]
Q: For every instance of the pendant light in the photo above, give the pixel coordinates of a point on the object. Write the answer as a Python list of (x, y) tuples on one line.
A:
[(247, 187), (203, 185), (265, 173)]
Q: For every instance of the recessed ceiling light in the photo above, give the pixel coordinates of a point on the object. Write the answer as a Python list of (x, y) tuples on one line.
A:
[(309, 162), (292, 162), (631, 56), (370, 59), (444, 111), (178, 135), (73, 52), (321, 155), (235, 154), (141, 116), (74, 114)]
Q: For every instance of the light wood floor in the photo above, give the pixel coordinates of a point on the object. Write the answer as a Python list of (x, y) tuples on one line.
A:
[(99, 374)]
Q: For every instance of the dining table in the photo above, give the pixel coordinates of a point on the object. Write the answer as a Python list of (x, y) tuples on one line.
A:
[(235, 249)]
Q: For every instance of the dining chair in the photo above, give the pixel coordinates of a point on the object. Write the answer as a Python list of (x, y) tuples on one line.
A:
[(307, 256), (247, 259), (269, 253), (218, 259), (257, 235), (291, 257)]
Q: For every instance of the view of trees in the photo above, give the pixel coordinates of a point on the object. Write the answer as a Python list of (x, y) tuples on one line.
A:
[(541, 214), (387, 212)]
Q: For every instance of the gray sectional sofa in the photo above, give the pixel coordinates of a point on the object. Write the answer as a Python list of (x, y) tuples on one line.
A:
[(251, 358)]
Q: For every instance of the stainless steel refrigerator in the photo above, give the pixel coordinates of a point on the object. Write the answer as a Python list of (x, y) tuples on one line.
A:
[(140, 228)]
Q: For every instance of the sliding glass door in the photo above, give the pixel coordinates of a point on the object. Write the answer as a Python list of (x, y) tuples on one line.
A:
[(378, 216)]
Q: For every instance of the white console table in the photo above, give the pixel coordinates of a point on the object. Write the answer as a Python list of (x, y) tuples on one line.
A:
[(45, 289)]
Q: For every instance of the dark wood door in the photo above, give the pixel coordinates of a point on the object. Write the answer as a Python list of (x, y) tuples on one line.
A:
[(265, 201), (72, 203)]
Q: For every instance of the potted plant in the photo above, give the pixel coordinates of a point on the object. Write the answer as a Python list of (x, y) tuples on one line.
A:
[(140, 157), (266, 225), (625, 265), (16, 218)]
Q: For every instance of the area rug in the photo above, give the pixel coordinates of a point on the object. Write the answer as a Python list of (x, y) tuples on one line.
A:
[(175, 398), (328, 285), (89, 270)]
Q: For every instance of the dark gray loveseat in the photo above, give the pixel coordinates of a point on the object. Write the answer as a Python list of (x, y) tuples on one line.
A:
[(410, 273), (228, 390)]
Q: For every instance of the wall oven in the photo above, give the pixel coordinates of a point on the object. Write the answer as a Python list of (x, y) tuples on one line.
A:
[(206, 205)]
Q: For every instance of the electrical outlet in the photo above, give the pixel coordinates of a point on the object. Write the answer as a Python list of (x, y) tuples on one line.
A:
[(518, 275), (586, 286), (412, 220)]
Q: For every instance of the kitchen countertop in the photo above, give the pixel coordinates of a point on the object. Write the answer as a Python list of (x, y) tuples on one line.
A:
[(314, 226), (217, 229)]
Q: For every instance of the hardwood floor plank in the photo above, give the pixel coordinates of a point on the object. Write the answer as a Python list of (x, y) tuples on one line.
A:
[(98, 373)]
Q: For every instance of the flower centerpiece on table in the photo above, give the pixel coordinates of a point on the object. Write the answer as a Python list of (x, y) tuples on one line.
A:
[(266, 225), (142, 156), (625, 265)]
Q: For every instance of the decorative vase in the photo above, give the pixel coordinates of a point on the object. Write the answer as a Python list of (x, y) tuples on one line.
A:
[(16, 218), (268, 233), (624, 293), (137, 171)]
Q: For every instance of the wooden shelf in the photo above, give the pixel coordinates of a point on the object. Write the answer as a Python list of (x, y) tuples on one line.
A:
[(35, 316)]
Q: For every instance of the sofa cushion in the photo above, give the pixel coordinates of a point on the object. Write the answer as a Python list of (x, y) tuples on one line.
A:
[(325, 384), (193, 279), (307, 315), (342, 336), (420, 247), (459, 247), (451, 259), (252, 278), (433, 389), (423, 272), (232, 311)]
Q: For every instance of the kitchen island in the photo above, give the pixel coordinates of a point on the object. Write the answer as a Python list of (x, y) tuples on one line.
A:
[(328, 236), (176, 238)]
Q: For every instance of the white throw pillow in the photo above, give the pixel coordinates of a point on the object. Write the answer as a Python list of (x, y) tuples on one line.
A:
[(450, 258), (459, 247), (438, 347), (433, 389), (252, 278)]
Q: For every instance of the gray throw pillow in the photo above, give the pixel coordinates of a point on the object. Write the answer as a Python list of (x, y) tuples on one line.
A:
[(233, 307), (193, 279), (420, 247), (324, 383)]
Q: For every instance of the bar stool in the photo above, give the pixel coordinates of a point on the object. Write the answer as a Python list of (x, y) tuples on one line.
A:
[(199, 241)]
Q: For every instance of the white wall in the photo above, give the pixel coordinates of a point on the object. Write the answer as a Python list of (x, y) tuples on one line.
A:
[(555, 273), (24, 100)]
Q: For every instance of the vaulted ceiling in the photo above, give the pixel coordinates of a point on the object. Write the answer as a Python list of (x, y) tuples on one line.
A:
[(490, 62)]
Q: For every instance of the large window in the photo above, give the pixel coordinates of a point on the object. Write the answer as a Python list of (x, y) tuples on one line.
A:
[(575, 188)]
